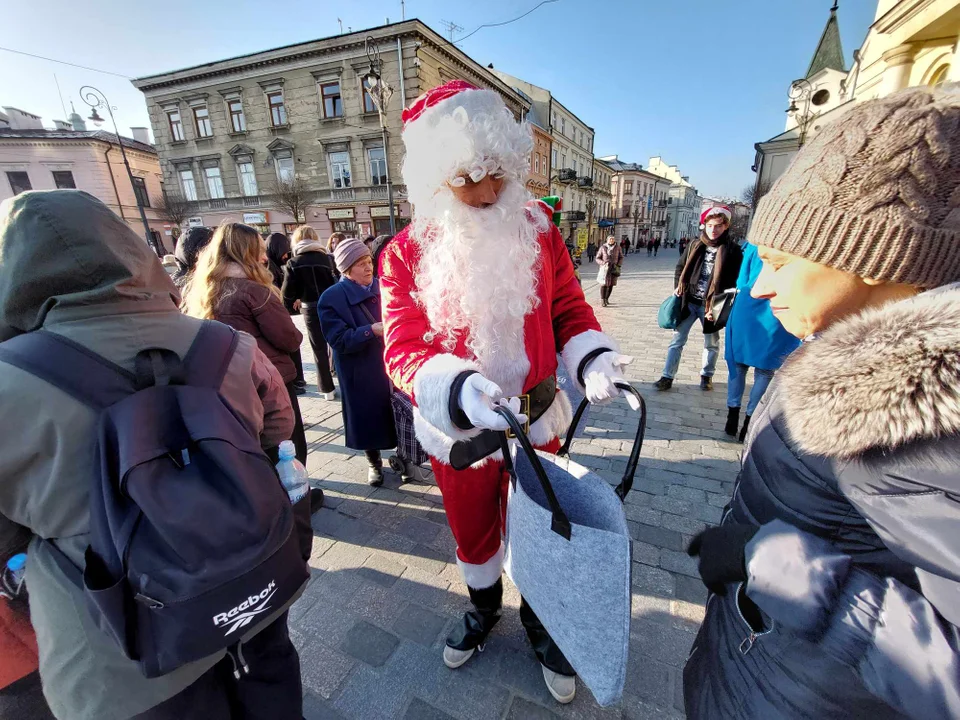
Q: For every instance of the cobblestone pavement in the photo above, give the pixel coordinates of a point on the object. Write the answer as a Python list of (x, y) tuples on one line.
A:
[(385, 591)]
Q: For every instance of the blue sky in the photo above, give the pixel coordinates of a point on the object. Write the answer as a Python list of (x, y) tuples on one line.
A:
[(696, 81)]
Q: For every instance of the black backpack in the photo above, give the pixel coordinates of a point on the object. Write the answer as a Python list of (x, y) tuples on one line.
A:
[(192, 536)]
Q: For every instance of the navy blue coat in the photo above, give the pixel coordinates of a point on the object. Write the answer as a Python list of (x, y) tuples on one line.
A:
[(358, 356)]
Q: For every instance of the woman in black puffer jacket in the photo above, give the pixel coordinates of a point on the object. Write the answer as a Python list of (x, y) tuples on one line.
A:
[(835, 574)]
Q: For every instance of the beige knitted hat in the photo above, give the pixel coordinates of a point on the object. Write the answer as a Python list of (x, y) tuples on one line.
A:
[(876, 193)]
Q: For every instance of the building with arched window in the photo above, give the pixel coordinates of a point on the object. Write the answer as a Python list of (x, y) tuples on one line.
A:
[(909, 43)]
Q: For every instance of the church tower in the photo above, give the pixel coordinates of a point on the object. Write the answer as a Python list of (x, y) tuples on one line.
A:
[(820, 90)]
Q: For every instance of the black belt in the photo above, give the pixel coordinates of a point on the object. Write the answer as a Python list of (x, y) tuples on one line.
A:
[(533, 404)]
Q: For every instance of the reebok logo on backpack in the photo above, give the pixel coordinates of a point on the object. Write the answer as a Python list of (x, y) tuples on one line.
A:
[(187, 514), (237, 620)]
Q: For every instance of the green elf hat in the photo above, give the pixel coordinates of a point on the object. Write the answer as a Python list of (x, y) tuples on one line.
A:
[(557, 204)]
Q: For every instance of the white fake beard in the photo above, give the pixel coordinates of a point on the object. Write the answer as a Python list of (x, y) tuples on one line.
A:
[(478, 277)]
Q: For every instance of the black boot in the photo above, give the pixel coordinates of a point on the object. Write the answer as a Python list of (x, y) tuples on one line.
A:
[(546, 650), (733, 421), (743, 430), (477, 624)]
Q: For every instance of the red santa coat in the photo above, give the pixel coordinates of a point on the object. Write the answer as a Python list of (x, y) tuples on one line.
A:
[(562, 322)]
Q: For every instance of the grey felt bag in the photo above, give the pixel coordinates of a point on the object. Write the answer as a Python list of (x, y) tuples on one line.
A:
[(568, 552)]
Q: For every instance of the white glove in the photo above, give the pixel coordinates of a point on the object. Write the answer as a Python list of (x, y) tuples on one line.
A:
[(600, 376), (477, 398)]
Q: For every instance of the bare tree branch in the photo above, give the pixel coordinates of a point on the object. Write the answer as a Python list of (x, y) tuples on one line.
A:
[(174, 207), (752, 194), (292, 196)]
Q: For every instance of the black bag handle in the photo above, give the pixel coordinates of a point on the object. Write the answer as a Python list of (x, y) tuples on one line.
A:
[(627, 483), (559, 523)]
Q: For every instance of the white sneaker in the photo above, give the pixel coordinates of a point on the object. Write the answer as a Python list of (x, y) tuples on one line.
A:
[(562, 687), (329, 395), (454, 658)]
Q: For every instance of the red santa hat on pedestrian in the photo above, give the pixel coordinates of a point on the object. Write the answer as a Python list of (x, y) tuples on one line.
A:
[(457, 130), (714, 211)]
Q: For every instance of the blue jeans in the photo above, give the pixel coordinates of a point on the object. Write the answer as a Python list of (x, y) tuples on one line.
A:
[(711, 345), (738, 383)]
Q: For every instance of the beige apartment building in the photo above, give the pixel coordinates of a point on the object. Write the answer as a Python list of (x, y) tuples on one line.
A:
[(233, 134), (910, 43), (33, 157), (638, 201)]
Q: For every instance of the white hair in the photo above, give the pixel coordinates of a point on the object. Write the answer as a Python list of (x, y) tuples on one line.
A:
[(471, 133), (477, 277)]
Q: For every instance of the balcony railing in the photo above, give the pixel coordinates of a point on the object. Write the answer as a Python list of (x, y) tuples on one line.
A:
[(585, 182), (567, 175), (573, 216)]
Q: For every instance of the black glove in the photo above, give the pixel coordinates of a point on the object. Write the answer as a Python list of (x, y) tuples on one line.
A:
[(721, 552)]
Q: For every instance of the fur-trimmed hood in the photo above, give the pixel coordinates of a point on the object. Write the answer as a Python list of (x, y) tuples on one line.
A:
[(882, 379)]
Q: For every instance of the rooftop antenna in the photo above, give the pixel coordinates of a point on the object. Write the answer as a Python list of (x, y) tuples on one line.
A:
[(341, 25), (451, 28), (403, 10)]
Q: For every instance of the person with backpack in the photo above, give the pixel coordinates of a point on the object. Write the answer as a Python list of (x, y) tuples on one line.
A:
[(305, 278), (103, 378), (351, 319)]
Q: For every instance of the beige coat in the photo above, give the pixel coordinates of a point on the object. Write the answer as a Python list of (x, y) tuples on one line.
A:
[(71, 266)]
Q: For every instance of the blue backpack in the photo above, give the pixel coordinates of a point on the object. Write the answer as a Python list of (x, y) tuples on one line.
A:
[(192, 537)]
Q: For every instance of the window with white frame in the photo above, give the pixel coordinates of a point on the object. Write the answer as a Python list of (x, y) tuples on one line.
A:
[(278, 111), (201, 117), (214, 182), (176, 125), (340, 170), (188, 184), (284, 163), (237, 120), (563, 126), (536, 163), (378, 166), (248, 178), (554, 157)]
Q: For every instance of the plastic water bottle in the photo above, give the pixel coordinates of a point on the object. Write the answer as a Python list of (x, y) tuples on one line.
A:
[(293, 475), (13, 574)]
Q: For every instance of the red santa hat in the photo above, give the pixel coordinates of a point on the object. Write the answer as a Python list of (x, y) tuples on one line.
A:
[(458, 129), (716, 210)]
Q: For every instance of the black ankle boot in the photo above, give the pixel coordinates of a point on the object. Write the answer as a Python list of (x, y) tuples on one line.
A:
[(743, 430), (478, 623), (733, 421)]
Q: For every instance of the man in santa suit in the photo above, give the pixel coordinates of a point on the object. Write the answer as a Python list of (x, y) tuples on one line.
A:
[(479, 296)]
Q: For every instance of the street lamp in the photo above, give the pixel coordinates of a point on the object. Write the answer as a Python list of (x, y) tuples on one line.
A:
[(380, 92), (96, 99), (801, 90)]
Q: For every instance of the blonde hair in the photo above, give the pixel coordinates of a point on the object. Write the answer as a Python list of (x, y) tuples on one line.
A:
[(233, 244), (304, 233)]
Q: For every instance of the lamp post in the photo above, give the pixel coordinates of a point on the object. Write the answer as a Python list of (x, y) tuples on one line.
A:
[(801, 90), (96, 99), (380, 92)]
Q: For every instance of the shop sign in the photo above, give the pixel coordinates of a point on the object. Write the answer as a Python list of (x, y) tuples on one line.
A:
[(255, 218), (384, 211), (340, 214), (195, 222)]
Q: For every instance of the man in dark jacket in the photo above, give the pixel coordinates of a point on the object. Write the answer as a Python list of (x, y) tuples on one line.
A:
[(306, 276), (709, 266), (188, 250), (836, 570)]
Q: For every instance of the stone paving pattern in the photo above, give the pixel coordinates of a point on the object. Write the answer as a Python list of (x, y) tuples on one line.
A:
[(386, 591)]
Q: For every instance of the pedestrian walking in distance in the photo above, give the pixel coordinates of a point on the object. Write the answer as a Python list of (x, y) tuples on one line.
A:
[(350, 317), (834, 577), (755, 339), (231, 284), (609, 258), (306, 276), (709, 266), (656, 246)]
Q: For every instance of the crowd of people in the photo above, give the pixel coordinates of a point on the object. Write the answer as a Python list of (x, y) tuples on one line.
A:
[(833, 577)]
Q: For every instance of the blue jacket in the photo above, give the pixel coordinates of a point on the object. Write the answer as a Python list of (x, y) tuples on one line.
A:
[(754, 336), (851, 608), (358, 356)]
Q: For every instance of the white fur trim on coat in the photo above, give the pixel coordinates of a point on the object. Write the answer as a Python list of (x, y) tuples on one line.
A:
[(553, 423), (579, 346), (431, 389), (482, 576)]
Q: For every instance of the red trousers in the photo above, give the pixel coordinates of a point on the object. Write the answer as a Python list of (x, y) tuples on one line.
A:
[(475, 501)]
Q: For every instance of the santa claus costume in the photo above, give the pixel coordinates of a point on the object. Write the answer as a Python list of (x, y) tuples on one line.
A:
[(478, 298)]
